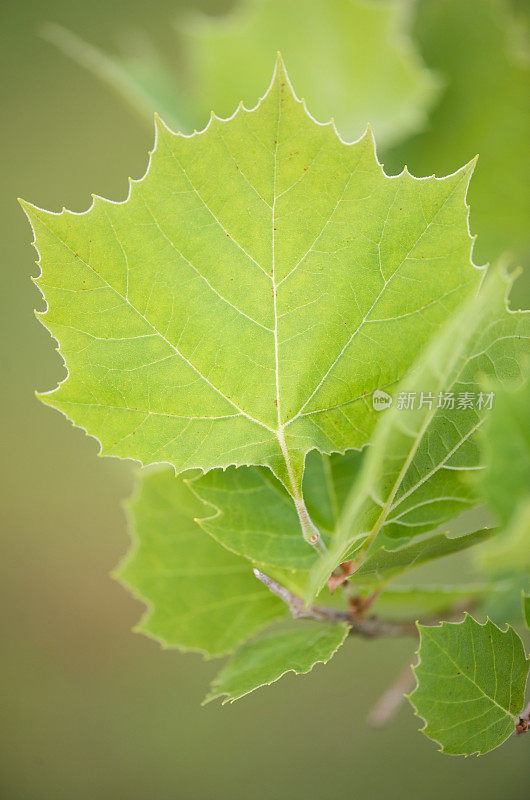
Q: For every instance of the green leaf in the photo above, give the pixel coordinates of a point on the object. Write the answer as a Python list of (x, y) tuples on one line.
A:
[(526, 608), (253, 515), (484, 109), (258, 518), (257, 285), (417, 474), (360, 66), (199, 596), (470, 685), (383, 563), (413, 602), (265, 660)]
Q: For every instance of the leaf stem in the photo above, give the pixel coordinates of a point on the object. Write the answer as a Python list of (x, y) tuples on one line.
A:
[(310, 532), (369, 628)]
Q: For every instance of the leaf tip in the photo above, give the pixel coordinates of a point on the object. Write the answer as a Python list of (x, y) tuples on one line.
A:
[(28, 208), (280, 71)]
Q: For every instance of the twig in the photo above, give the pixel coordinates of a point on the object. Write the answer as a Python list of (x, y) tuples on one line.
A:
[(388, 704), (370, 628), (297, 607)]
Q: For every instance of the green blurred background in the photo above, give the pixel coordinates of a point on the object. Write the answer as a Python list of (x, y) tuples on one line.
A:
[(89, 709)]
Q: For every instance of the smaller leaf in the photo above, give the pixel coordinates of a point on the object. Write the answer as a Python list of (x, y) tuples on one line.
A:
[(470, 685), (199, 596), (266, 659), (383, 562)]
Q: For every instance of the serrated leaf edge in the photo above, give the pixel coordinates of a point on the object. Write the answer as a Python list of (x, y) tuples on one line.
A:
[(211, 697), (415, 666), (116, 574), (279, 65)]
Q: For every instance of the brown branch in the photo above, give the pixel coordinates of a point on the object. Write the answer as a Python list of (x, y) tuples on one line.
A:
[(388, 704), (370, 627), (297, 607)]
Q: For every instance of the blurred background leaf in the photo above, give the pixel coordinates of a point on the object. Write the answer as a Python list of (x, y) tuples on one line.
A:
[(482, 55), (90, 710), (352, 60)]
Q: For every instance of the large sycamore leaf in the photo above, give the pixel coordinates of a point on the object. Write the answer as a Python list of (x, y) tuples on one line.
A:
[(257, 285), (360, 65), (474, 46), (266, 659), (470, 685), (199, 596), (252, 514), (417, 473)]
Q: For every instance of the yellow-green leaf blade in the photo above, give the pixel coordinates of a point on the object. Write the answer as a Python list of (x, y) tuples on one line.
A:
[(240, 305), (506, 438), (505, 485)]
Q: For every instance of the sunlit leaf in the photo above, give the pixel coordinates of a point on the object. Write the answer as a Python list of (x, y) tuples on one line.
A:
[(506, 439), (505, 483), (258, 284)]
